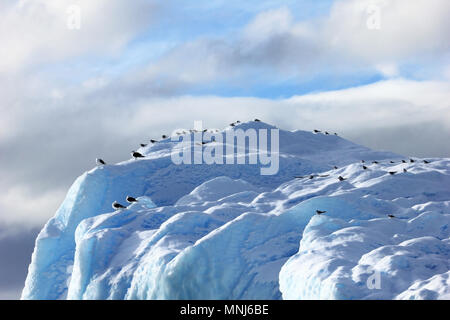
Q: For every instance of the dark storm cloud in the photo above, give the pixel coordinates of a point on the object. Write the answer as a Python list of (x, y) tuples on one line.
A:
[(15, 256)]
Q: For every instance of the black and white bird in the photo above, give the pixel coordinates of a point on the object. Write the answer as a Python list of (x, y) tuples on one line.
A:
[(257, 120), (326, 132), (426, 161), (375, 162), (316, 131), (100, 162), (392, 161), (131, 199), (364, 167), (143, 145), (412, 160), (232, 124), (404, 170), (153, 141), (341, 178), (403, 161), (391, 216), (136, 155), (319, 212), (117, 206), (164, 136), (392, 172)]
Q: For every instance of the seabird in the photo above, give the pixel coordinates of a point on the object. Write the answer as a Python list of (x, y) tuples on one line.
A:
[(257, 120), (205, 130), (143, 145), (153, 141), (341, 178), (391, 216), (375, 162), (316, 131), (403, 161), (131, 199), (335, 167), (136, 155), (320, 212), (238, 121), (392, 172), (364, 167), (311, 177), (232, 124), (164, 136), (412, 160), (392, 161), (326, 132), (404, 170), (100, 162), (426, 161), (117, 206)]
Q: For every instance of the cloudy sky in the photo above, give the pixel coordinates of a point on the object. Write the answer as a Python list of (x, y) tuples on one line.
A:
[(81, 79)]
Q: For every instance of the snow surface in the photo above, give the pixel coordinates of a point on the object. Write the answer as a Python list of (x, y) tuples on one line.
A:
[(226, 232)]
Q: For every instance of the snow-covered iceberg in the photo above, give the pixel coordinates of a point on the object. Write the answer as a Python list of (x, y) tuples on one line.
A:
[(227, 232)]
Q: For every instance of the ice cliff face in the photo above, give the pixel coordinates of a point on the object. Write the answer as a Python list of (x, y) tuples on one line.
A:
[(226, 232)]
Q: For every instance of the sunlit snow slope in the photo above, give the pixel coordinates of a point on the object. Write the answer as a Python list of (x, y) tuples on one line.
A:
[(226, 232)]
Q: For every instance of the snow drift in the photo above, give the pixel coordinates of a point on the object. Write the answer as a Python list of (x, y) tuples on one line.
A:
[(226, 232)]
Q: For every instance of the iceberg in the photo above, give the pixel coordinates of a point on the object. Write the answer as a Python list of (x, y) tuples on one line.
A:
[(226, 232)]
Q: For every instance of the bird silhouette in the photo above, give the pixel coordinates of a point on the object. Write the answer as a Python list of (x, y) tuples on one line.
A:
[(341, 178), (136, 155), (100, 162), (117, 205), (392, 172), (391, 216), (131, 199), (320, 212)]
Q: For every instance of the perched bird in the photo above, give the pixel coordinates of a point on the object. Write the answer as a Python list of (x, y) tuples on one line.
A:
[(404, 170), (232, 124), (392, 161), (100, 162), (238, 121), (136, 155), (206, 130), (391, 216), (164, 136), (326, 132), (341, 178), (143, 145), (320, 212), (403, 161), (392, 172), (364, 167), (426, 161), (131, 199), (311, 177), (335, 167), (375, 162), (153, 141), (316, 131), (412, 160), (117, 206), (257, 120)]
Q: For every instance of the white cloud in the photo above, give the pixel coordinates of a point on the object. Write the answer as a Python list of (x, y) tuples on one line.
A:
[(35, 31)]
